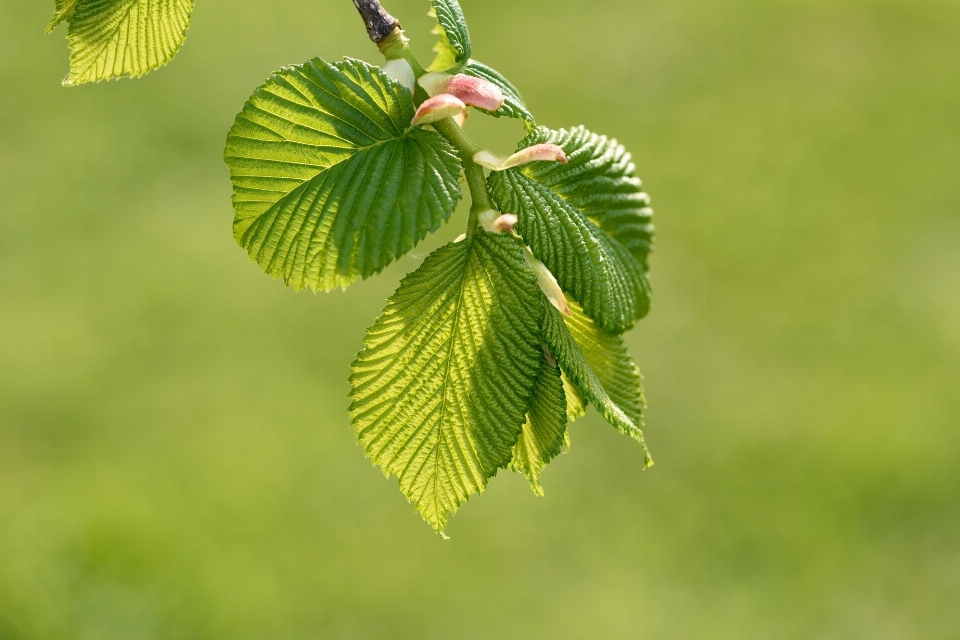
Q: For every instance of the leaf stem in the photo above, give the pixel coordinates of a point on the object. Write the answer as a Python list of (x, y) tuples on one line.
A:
[(476, 180), (385, 32)]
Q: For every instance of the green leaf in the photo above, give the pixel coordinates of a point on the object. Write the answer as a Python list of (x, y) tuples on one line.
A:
[(601, 182), (121, 38), (575, 365), (441, 391), (609, 359), (330, 184), (544, 433), (64, 9), (513, 106), (446, 58), (576, 408), (454, 48), (599, 272)]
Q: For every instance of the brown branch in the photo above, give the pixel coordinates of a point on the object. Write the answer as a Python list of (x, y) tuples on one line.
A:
[(379, 23)]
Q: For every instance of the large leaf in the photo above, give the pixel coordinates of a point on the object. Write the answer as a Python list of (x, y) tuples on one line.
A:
[(441, 390), (599, 272), (575, 365), (513, 105), (609, 359), (454, 48), (599, 179), (118, 38), (544, 432), (330, 184)]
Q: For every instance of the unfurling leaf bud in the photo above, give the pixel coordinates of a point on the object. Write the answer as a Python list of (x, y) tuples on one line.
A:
[(437, 108), (401, 71), (493, 222), (548, 284), (536, 153), (475, 92)]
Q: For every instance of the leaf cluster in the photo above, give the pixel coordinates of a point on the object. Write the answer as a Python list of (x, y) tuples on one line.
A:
[(471, 368), (498, 341)]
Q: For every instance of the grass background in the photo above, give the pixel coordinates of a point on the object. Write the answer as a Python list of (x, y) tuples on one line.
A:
[(175, 455)]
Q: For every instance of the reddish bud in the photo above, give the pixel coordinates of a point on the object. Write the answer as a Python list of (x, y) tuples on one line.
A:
[(437, 108), (475, 92), (536, 153), (493, 222)]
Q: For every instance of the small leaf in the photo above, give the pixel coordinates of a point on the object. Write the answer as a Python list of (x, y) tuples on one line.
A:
[(599, 179), (438, 108), (544, 433), (121, 38), (330, 184), (513, 106), (454, 48), (599, 272), (576, 408), (581, 375), (64, 9), (446, 58), (608, 357), (441, 391)]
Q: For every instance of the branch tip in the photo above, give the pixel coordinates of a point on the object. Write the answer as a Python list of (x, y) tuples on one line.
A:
[(380, 24)]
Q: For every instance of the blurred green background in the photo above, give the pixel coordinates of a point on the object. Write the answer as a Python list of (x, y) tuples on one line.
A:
[(175, 455)]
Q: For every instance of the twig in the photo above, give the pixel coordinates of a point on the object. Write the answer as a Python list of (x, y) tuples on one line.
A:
[(380, 24)]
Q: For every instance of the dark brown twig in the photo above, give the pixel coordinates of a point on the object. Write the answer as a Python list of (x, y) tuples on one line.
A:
[(379, 23)]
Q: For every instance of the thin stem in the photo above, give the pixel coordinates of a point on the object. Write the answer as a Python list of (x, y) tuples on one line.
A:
[(476, 180), (385, 32)]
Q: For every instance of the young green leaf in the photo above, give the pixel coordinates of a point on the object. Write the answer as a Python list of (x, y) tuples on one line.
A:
[(513, 106), (599, 272), (599, 179), (441, 390), (63, 11), (544, 432), (119, 38), (577, 368), (609, 359), (330, 183), (454, 48), (576, 408)]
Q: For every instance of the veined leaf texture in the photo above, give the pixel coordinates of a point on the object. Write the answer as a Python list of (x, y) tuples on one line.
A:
[(330, 183), (441, 392), (470, 369), (121, 38)]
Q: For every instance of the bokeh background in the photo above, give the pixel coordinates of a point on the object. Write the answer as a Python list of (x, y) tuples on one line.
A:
[(176, 460)]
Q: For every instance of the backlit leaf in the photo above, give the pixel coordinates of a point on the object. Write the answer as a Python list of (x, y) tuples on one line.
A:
[(441, 391), (575, 365), (544, 432), (454, 48), (330, 184), (609, 359), (121, 38)]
